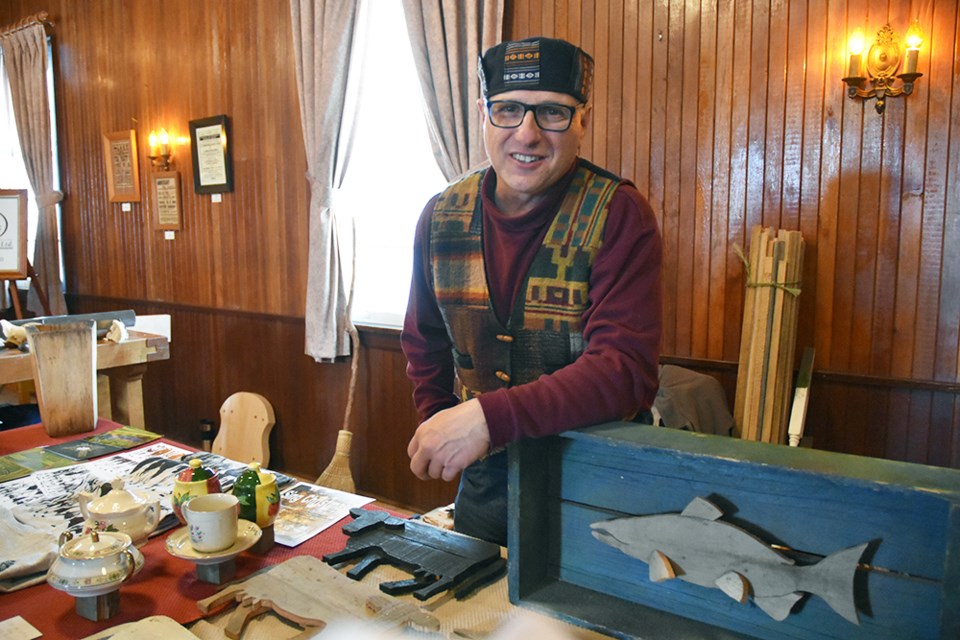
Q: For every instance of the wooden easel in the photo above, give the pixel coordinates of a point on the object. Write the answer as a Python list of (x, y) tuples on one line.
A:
[(15, 293)]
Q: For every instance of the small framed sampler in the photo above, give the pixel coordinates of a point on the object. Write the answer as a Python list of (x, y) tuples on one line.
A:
[(13, 234), (166, 197), (123, 168), (212, 168)]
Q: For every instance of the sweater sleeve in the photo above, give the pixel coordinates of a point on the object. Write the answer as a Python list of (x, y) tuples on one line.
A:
[(424, 338), (616, 376)]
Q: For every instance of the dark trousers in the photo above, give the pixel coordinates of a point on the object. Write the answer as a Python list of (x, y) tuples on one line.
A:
[(481, 505)]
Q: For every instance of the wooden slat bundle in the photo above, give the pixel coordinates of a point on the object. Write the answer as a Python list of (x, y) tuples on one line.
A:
[(768, 338)]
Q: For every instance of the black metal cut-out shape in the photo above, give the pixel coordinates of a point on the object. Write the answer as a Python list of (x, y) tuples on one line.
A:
[(438, 560)]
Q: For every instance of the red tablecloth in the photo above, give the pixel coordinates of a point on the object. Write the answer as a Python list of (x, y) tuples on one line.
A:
[(165, 586)]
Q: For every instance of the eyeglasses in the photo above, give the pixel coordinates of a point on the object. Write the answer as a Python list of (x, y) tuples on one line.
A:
[(508, 114)]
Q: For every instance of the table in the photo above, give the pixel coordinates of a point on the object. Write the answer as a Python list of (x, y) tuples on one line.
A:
[(169, 586), (119, 386)]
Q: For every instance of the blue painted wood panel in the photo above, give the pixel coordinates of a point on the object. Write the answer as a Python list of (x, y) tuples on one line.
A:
[(812, 503)]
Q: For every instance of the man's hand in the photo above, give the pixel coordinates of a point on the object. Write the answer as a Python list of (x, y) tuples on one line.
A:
[(449, 441)]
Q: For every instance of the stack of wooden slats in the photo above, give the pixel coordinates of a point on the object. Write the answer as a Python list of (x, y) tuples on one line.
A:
[(768, 338)]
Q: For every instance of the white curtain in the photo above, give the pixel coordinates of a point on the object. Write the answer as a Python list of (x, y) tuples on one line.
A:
[(448, 37), (25, 62), (323, 34)]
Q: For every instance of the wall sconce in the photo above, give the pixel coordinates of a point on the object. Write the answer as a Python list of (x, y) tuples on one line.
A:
[(160, 150), (881, 65)]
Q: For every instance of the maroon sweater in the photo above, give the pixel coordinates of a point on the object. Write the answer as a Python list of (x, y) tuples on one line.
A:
[(617, 374)]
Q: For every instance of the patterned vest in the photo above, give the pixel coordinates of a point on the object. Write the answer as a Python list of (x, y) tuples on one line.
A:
[(543, 332)]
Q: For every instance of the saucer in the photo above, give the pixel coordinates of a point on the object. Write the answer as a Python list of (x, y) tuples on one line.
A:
[(178, 544)]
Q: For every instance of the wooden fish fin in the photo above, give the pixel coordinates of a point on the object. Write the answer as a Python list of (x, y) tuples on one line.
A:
[(734, 585), (778, 607), (702, 508), (660, 567)]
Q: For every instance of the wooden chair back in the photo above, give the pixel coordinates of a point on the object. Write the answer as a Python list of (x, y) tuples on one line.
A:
[(246, 420)]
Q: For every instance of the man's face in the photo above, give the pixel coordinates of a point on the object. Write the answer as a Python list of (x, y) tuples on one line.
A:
[(527, 159)]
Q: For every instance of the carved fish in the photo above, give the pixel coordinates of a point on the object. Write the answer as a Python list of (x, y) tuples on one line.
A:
[(697, 547)]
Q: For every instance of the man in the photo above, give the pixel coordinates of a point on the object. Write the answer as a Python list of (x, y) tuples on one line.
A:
[(535, 303)]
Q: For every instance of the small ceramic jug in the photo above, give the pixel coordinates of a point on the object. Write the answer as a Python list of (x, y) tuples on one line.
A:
[(193, 482), (258, 494), (120, 510)]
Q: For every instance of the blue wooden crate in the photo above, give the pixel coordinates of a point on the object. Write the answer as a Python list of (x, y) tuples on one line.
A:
[(809, 503)]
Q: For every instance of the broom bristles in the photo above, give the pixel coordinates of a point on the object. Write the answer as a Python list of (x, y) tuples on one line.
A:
[(337, 475)]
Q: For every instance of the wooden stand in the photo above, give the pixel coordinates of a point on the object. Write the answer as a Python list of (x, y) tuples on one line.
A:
[(97, 608), (15, 293), (217, 572), (265, 543)]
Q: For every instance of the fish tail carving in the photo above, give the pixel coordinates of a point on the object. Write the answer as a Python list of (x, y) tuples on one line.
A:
[(832, 580)]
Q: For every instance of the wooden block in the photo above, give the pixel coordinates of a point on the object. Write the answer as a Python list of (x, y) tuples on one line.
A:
[(64, 364), (100, 607)]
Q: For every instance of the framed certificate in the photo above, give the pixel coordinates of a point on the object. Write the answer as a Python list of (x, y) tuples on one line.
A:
[(13, 234), (212, 170), (166, 198), (123, 168)]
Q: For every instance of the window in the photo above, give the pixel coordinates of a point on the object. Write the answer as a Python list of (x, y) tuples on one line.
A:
[(12, 168), (391, 172)]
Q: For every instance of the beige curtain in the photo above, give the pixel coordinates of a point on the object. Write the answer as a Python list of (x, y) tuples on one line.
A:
[(323, 34), (25, 61), (448, 37)]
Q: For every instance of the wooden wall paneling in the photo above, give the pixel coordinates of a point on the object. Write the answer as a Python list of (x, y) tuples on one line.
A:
[(645, 96), (706, 57), (658, 125), (826, 241), (918, 437), (670, 199), (688, 238), (777, 45), (941, 72), (629, 112), (940, 441), (725, 284), (948, 335), (814, 76), (610, 31), (593, 140), (738, 226)]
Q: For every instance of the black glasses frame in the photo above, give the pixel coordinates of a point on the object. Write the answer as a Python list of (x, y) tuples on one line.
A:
[(536, 116)]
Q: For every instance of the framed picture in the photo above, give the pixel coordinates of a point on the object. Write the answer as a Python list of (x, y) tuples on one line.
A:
[(166, 197), (123, 167), (212, 168), (13, 234)]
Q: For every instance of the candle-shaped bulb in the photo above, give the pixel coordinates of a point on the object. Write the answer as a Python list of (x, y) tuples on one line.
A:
[(855, 45), (914, 40), (152, 141), (164, 142)]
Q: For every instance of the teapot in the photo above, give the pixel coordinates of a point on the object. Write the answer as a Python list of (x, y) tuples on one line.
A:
[(258, 495), (94, 564), (120, 510), (196, 480)]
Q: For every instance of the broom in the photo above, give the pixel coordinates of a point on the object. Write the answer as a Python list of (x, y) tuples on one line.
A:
[(337, 475)]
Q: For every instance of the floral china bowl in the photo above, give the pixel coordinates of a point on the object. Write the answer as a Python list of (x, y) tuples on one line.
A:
[(120, 510), (94, 564)]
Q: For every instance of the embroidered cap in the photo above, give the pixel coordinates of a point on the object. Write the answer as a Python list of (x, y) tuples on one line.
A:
[(538, 64)]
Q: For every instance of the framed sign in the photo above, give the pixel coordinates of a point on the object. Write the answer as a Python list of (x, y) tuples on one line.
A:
[(123, 168), (166, 198), (13, 234), (212, 170)]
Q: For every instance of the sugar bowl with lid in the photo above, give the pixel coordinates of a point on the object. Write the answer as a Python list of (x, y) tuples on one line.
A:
[(196, 480), (120, 510), (94, 564)]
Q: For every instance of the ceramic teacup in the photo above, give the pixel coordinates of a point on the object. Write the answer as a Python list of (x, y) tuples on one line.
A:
[(213, 521)]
